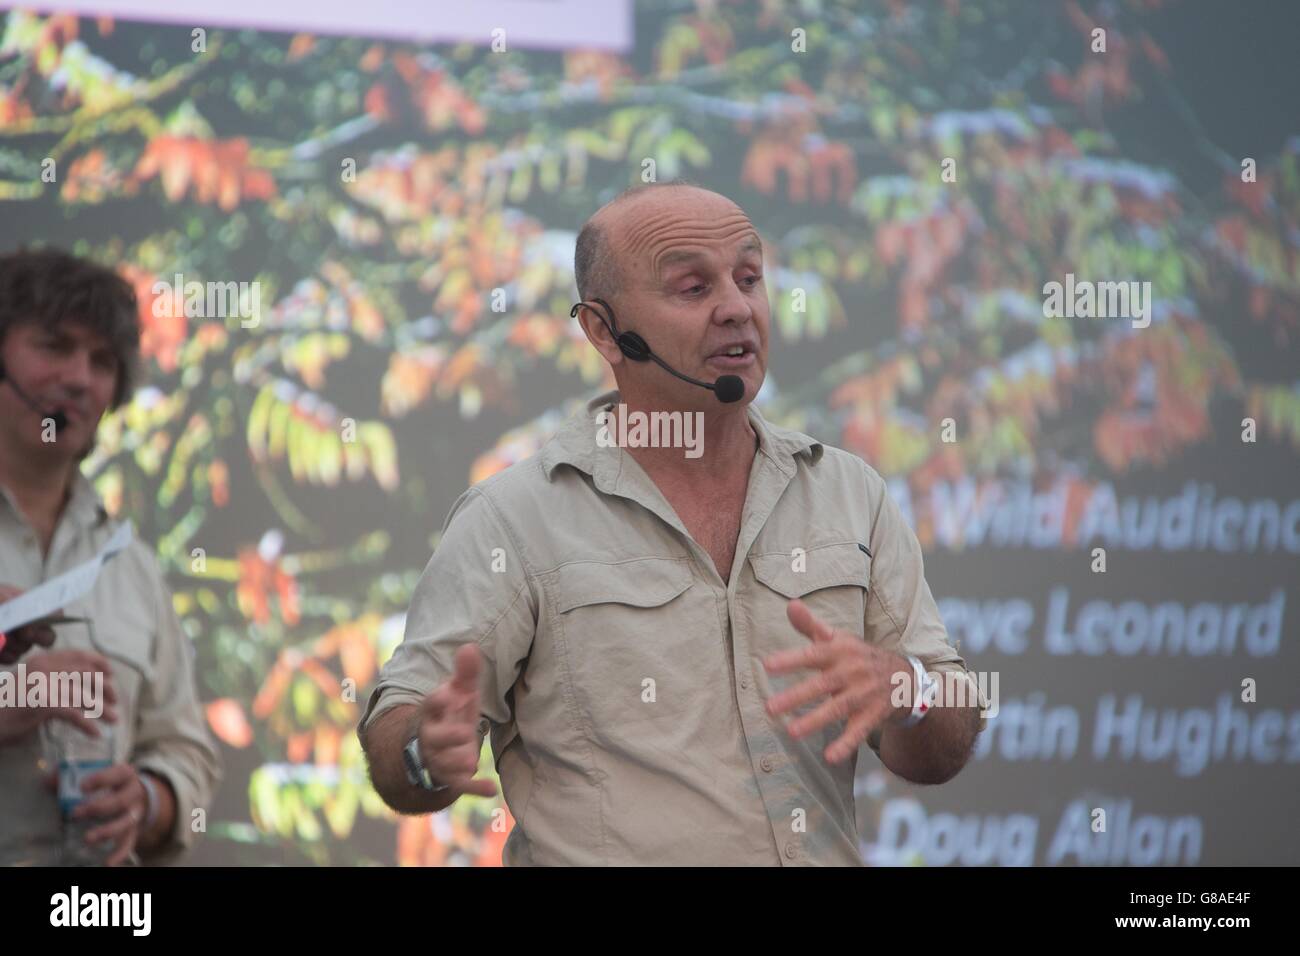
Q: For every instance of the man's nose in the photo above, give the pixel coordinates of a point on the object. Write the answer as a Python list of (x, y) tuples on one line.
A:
[(76, 372), (734, 307)]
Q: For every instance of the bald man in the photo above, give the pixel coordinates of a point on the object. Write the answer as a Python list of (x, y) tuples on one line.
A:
[(680, 638)]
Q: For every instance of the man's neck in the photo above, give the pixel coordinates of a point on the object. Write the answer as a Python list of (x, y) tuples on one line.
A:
[(40, 489), (727, 444)]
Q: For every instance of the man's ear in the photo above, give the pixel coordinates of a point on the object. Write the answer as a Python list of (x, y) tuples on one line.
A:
[(599, 335)]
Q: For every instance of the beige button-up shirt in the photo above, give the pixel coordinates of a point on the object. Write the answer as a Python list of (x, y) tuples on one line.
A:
[(161, 725), (623, 678)]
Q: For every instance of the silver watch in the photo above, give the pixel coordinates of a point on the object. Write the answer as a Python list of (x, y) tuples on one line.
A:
[(416, 772)]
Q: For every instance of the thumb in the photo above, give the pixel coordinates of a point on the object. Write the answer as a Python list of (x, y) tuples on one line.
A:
[(467, 663)]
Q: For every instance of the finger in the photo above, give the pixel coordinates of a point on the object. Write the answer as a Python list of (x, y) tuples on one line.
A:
[(124, 847), (41, 634), (113, 829), (467, 664), (464, 683), (806, 691), (455, 765), (15, 646), (847, 743), (807, 623), (434, 705), (443, 734), (480, 788), (810, 655), (86, 662), (842, 706), (120, 855), (114, 776), (110, 804), (79, 720)]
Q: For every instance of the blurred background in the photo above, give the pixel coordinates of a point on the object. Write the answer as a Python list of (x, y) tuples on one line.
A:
[(403, 183)]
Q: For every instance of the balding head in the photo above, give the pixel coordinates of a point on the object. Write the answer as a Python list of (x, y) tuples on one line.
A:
[(682, 266), (597, 259)]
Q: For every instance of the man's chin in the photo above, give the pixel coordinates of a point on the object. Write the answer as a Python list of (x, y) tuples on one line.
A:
[(67, 447)]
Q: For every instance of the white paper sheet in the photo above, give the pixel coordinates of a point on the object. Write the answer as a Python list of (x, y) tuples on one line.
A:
[(48, 597)]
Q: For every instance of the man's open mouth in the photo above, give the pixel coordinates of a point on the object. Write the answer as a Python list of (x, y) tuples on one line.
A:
[(733, 356)]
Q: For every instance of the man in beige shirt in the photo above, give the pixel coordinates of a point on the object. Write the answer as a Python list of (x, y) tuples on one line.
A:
[(680, 649), (69, 346)]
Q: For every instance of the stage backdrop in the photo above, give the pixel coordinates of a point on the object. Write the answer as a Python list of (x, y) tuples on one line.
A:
[(351, 230)]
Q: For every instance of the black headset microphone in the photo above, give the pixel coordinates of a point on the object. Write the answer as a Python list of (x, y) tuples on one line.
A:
[(60, 420), (728, 388)]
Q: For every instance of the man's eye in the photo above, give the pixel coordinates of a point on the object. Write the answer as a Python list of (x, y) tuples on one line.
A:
[(753, 280), (694, 290)]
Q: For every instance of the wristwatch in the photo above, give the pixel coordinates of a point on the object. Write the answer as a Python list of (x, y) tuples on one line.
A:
[(415, 769)]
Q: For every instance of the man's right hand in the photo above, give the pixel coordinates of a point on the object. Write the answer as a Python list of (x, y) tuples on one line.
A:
[(17, 722), (21, 639), (447, 725)]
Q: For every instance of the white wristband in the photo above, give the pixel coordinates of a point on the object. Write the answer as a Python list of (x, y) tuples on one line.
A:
[(924, 687), (153, 801)]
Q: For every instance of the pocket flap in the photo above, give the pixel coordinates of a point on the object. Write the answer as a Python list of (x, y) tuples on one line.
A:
[(641, 582), (828, 566)]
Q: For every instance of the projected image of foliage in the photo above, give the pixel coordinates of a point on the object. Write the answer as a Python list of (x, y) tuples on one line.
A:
[(408, 214)]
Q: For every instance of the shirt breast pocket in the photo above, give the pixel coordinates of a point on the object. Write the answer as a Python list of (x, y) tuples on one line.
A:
[(832, 580), (634, 634)]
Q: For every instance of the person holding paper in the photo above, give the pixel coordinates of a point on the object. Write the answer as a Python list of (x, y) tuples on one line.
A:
[(69, 350)]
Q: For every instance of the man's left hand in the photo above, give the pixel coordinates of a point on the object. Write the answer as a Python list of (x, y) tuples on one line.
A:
[(856, 677)]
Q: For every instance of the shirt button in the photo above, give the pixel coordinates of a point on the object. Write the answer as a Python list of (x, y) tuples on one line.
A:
[(791, 851), (744, 683), (766, 764)]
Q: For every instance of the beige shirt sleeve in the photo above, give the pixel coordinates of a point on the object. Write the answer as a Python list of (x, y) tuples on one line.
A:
[(172, 738), (901, 612), (474, 588)]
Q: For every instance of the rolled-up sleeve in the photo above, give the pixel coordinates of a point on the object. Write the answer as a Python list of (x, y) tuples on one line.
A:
[(474, 588), (901, 612), (172, 738)]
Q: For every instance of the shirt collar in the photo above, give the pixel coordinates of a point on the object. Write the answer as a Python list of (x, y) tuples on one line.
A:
[(84, 504), (83, 508), (575, 443)]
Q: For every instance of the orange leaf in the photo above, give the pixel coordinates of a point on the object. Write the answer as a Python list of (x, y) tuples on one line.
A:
[(227, 720)]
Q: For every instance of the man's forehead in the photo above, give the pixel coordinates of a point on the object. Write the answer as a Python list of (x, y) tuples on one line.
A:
[(669, 236), (74, 329)]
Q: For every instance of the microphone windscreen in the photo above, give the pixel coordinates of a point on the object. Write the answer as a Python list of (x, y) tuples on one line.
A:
[(729, 388)]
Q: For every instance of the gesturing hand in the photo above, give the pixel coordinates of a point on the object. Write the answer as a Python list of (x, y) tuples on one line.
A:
[(855, 677), (449, 716)]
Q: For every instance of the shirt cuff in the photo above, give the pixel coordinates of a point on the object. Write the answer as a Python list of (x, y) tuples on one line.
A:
[(182, 835)]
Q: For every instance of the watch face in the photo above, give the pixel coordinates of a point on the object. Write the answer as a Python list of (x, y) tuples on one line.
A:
[(415, 771)]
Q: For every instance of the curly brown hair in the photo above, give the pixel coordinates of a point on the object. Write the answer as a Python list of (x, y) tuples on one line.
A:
[(50, 287)]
